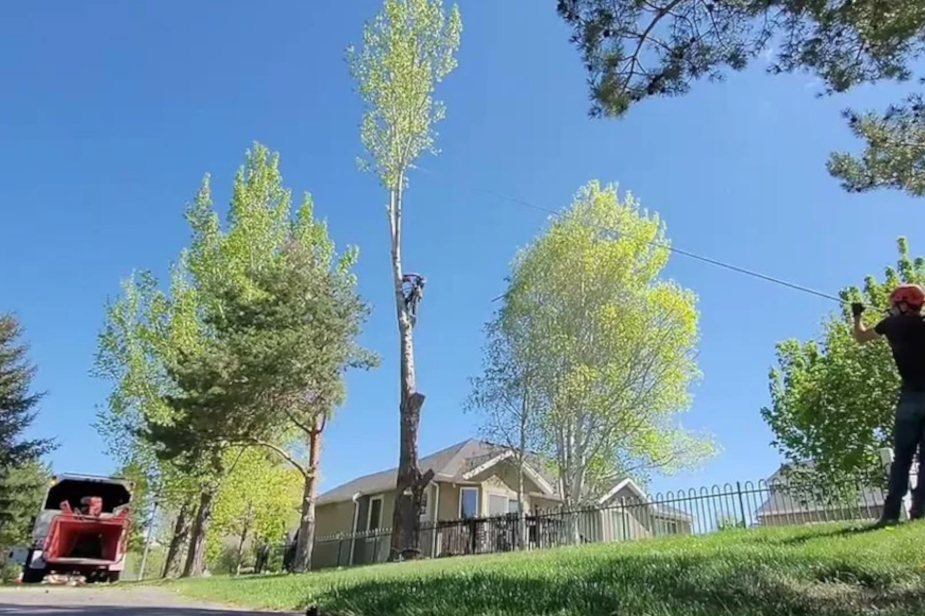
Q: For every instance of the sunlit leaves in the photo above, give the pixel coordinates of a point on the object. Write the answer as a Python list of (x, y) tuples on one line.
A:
[(616, 342), (408, 48), (833, 400)]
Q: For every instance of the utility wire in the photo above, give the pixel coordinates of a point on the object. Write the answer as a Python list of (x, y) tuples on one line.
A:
[(685, 253)]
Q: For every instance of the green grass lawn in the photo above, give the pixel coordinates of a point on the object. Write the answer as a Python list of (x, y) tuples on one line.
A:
[(830, 570)]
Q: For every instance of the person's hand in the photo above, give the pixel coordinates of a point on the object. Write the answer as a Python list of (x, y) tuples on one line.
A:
[(857, 309)]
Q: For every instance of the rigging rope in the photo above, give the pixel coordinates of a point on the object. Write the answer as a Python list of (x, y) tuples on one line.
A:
[(685, 253)]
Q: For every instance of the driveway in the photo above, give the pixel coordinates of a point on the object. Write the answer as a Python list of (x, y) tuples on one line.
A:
[(58, 601)]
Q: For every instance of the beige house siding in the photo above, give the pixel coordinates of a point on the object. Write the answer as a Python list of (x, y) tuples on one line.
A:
[(334, 518), (449, 501)]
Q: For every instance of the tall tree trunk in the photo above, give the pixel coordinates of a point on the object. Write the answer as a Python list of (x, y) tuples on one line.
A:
[(196, 555), (521, 514), (410, 485), (181, 528), (521, 462), (306, 540)]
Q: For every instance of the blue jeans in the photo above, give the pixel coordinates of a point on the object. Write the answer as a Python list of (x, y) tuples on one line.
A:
[(908, 436)]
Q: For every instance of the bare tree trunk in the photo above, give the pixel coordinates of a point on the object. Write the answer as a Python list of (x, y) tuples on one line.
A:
[(521, 514), (410, 485), (521, 461), (196, 555), (179, 538), (306, 540)]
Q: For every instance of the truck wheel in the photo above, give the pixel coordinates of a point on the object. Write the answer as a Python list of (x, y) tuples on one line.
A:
[(32, 576), (113, 576)]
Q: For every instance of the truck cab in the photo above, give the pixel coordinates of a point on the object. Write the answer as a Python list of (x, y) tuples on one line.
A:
[(82, 529)]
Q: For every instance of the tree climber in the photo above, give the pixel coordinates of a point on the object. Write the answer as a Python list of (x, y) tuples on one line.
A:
[(904, 329), (412, 286)]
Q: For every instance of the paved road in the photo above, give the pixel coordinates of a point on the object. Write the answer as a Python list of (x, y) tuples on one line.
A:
[(59, 601)]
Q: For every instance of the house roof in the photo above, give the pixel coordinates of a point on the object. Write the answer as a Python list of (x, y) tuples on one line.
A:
[(449, 465), (657, 508), (782, 502)]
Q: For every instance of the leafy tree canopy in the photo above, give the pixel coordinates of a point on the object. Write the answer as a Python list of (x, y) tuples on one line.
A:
[(19, 456), (636, 49), (832, 399), (614, 344)]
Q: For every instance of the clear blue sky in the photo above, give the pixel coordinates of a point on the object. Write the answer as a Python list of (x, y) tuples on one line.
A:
[(111, 112)]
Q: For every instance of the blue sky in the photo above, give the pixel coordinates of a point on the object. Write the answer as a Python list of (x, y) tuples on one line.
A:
[(112, 112)]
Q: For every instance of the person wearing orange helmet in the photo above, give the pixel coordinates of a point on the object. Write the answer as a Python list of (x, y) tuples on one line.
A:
[(904, 329)]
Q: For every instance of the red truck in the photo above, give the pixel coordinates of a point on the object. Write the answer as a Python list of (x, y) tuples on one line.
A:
[(82, 529)]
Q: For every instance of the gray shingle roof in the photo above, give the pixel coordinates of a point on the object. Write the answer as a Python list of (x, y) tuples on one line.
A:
[(783, 501), (448, 465)]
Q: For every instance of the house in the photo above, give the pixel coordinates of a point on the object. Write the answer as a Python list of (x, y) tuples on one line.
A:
[(473, 489), (788, 505)]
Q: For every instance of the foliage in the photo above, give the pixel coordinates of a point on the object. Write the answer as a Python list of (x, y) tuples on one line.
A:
[(408, 49), (507, 395), (833, 400), (634, 50), (18, 455), (281, 316), (729, 522), (894, 156), (813, 571), (23, 489), (258, 500), (615, 344), (142, 329)]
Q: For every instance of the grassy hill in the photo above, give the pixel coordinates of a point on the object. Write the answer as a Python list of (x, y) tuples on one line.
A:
[(823, 570)]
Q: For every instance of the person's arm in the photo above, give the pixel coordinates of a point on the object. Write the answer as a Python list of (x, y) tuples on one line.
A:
[(861, 332)]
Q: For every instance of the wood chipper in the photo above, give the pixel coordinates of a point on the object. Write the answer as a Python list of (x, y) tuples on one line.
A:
[(82, 529)]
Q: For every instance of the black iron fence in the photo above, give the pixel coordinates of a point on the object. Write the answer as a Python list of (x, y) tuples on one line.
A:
[(628, 515)]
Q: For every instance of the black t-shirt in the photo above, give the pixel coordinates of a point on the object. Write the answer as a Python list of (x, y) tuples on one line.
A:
[(906, 334)]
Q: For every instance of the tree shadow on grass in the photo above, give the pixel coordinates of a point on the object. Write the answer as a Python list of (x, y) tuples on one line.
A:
[(107, 610), (676, 585)]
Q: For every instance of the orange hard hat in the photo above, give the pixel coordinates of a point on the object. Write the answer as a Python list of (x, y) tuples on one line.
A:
[(910, 294)]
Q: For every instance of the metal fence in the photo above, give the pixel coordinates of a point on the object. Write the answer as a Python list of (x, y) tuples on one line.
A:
[(631, 516)]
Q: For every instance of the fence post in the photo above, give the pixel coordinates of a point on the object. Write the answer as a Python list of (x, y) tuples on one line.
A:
[(741, 504)]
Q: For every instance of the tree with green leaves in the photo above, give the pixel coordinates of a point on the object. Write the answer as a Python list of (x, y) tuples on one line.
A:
[(143, 328), (257, 502), (614, 344), (19, 455), (833, 400), (507, 395), (408, 49), (23, 493), (283, 317), (633, 50)]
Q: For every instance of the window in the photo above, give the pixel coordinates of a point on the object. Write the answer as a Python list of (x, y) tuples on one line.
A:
[(375, 514), (512, 506), (497, 504), (468, 502), (424, 504)]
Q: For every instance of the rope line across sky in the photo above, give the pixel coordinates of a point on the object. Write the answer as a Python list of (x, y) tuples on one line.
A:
[(715, 262)]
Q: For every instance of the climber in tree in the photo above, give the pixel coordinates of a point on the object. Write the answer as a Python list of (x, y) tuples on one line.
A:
[(412, 286), (904, 329)]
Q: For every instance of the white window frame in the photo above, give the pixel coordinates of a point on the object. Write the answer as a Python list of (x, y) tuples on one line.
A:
[(478, 500), (369, 513)]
